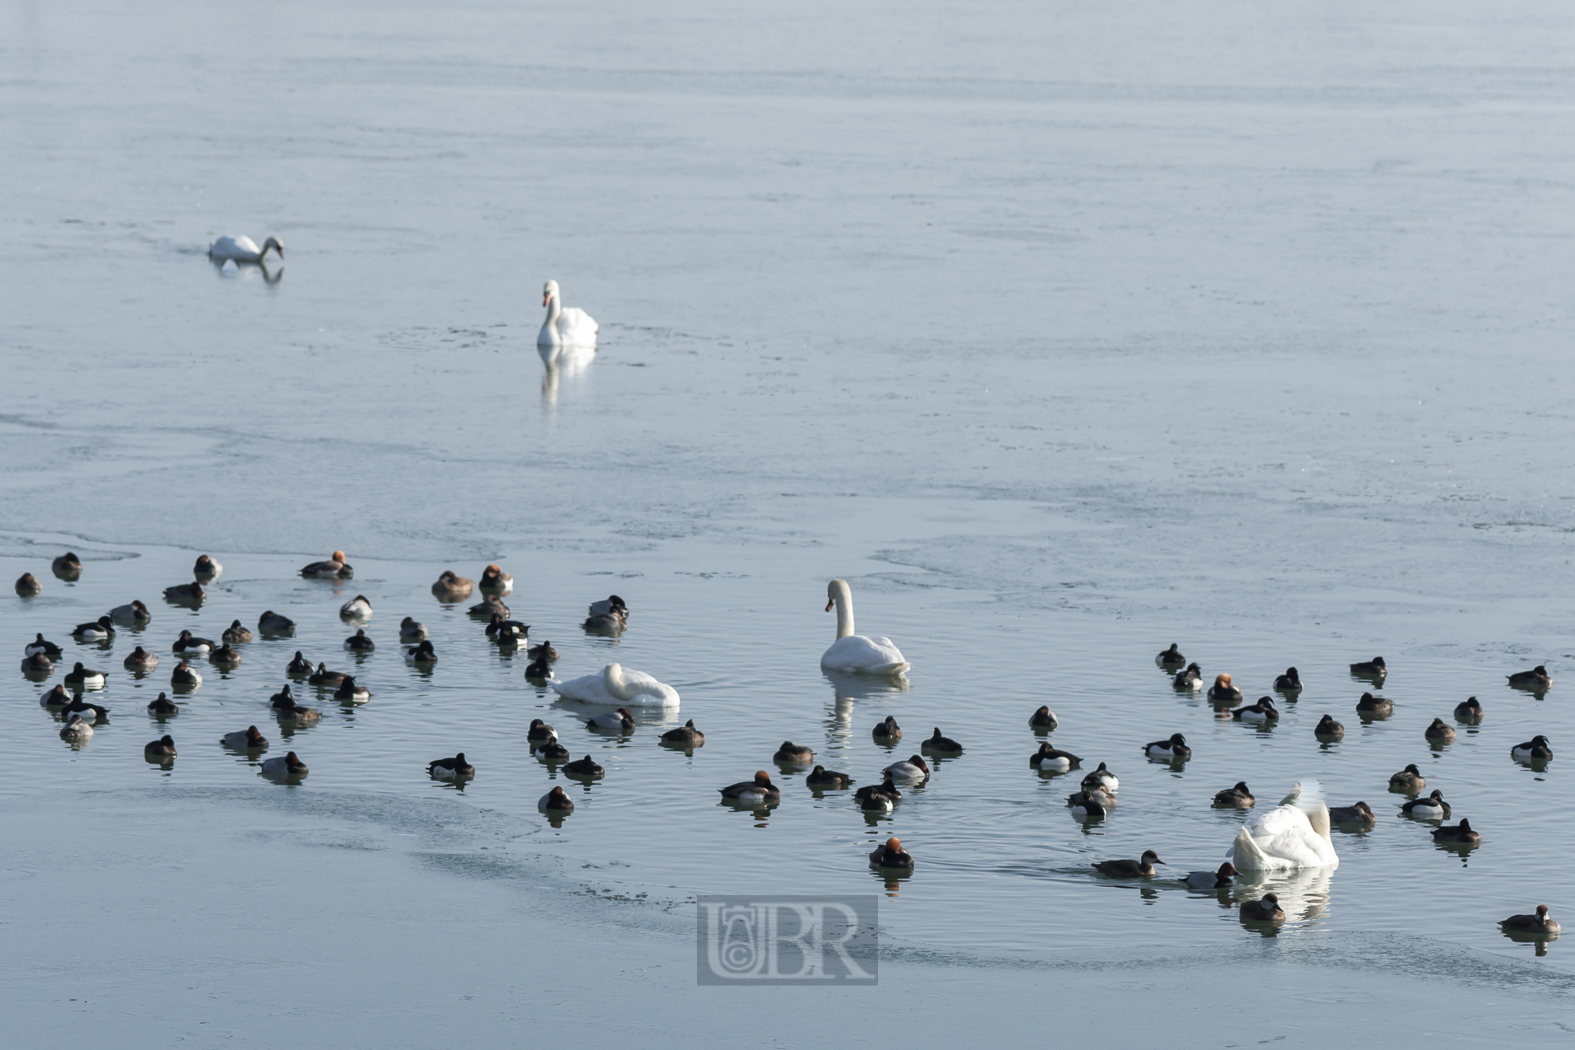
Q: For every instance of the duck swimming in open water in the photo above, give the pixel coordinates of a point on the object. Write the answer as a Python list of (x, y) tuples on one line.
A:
[(1222, 692), (1374, 706), (1541, 922), (1050, 760), (248, 739), (1373, 668), (66, 567), (1266, 909), (1537, 749), (455, 768), (273, 623), (357, 608), (452, 588), (27, 586), (1190, 680), (891, 855), (206, 569), (555, 801), (40, 644), (757, 790), (1469, 711), (288, 766), (1043, 719), (940, 745), (914, 771), (1102, 777), (1433, 807), (190, 645), (163, 707), (1171, 657), (1262, 711), (1211, 880), (886, 731), (236, 634), (1536, 678), (139, 659), (134, 613), (1439, 733), (1237, 797), (685, 735), (335, 568), (1328, 729), (824, 779), (359, 642), (791, 754), (1289, 682), (1361, 813), (1128, 869), (495, 581), (1409, 780), (1172, 750)]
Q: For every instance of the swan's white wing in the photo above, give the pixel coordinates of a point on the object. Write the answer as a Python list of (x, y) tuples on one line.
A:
[(590, 688), (234, 248), (648, 692), (858, 652), (1280, 839), (576, 326)]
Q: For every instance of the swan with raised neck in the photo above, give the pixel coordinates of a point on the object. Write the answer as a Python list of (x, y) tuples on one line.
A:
[(857, 652)]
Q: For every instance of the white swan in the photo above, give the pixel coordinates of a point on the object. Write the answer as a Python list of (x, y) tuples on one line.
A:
[(1286, 837), (857, 652), (244, 249), (564, 327), (614, 685)]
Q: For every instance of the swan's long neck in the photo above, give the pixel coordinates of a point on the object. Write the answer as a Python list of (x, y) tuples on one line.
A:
[(844, 614), (612, 677), (549, 327), (1318, 817)]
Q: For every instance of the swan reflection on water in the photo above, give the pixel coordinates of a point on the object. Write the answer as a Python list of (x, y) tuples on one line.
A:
[(846, 686), (247, 270), (562, 362)]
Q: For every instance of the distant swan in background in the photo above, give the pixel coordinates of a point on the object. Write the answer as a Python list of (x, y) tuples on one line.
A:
[(244, 249), (564, 327), (1286, 837), (857, 652)]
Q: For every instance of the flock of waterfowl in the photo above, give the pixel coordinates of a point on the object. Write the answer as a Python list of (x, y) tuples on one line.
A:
[(1294, 834)]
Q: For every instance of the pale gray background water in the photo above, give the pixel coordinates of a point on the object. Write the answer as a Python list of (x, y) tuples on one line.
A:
[(1063, 333)]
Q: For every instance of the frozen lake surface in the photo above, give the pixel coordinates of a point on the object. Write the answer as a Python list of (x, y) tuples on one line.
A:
[(1062, 333)]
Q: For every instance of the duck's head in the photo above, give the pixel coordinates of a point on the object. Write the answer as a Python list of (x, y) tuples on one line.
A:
[(1271, 899), (1150, 857), (1222, 680), (1378, 661), (1412, 770), (1539, 669), (1226, 870), (894, 844), (1241, 785), (623, 713), (762, 778), (293, 763), (1177, 740), (459, 759), (918, 760), (252, 734), (1542, 913), (1465, 825), (339, 556), (1363, 808), (493, 570)]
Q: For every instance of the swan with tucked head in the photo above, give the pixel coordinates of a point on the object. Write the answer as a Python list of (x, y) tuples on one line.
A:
[(857, 652), (564, 327), (615, 686), (244, 249), (1294, 834)]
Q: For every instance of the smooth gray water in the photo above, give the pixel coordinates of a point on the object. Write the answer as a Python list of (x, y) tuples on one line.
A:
[(1063, 334)]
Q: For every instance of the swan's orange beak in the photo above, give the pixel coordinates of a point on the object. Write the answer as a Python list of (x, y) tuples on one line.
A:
[(545, 298), (829, 605)]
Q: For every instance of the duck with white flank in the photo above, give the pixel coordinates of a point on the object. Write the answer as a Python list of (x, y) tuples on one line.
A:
[(1102, 777), (248, 739), (1237, 797), (134, 613), (85, 710), (620, 721), (100, 630), (754, 791), (1433, 807), (607, 617), (495, 581), (879, 798), (455, 768), (1222, 692), (77, 731), (412, 631), (1043, 720), (1537, 749), (335, 568), (914, 771), (80, 677), (1143, 867), (555, 801), (206, 569), (350, 693), (891, 855), (610, 604), (42, 645), (184, 677), (1262, 711), (1171, 657), (288, 766), (59, 696), (1049, 760), (857, 653), (1173, 750), (1091, 802), (551, 751), (357, 608), (1211, 880), (189, 645), (1190, 680)]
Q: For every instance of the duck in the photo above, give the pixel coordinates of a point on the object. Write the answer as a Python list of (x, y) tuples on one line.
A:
[(1328, 729), (84, 678), (501, 630), (685, 735), (1409, 779), (1461, 833), (1094, 803), (59, 696), (539, 732), (236, 634), (288, 766), (489, 607), (184, 677), (914, 771), (543, 652), (564, 326), (1373, 668), (411, 630), (551, 751), (1433, 807), (538, 669), (163, 707), (357, 608), (1439, 733), (80, 707), (585, 768), (757, 790), (455, 768), (1043, 719), (940, 745), (1289, 682), (243, 249), (248, 739), (206, 568), (27, 586), (101, 630), (161, 749), (1266, 909), (1050, 760), (1211, 880), (67, 567), (76, 731), (1286, 837), (1469, 710), (186, 594), (224, 656), (555, 801), (620, 720), (879, 798), (37, 664), (1129, 869), (1237, 797), (1171, 657), (189, 645), (610, 604), (325, 678), (1189, 680), (605, 623), (423, 654), (271, 622), (1102, 777), (1536, 678), (887, 731), (1374, 705), (1173, 749), (891, 855), (821, 777), (40, 644), (350, 693), (1361, 813), (299, 665), (133, 613), (1262, 711), (857, 653), (495, 581), (452, 588), (1541, 922), (791, 754), (287, 710), (359, 642), (618, 685), (1223, 692), (1534, 750), (335, 568)]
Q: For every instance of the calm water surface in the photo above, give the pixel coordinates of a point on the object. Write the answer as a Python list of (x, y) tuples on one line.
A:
[(1062, 335)]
